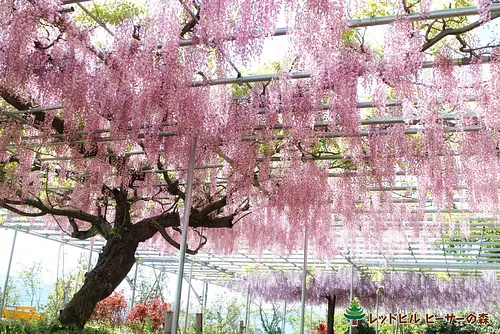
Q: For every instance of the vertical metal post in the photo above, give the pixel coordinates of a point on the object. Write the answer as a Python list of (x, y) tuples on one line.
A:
[(132, 303), (202, 296), (57, 276), (351, 296), (5, 286), (185, 224), (67, 287), (199, 323), (311, 321), (90, 255), (198, 298), (247, 311), (168, 322), (188, 296), (392, 329), (376, 311), (304, 277), (284, 319), (205, 295)]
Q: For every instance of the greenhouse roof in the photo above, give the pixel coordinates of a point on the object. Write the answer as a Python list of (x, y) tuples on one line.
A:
[(470, 257)]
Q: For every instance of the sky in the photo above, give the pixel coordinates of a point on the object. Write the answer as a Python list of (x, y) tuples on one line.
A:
[(30, 249)]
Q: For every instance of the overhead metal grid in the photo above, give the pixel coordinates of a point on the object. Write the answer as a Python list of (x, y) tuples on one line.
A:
[(464, 257), (446, 257)]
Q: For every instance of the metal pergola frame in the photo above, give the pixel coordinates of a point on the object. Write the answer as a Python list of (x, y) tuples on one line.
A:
[(451, 257)]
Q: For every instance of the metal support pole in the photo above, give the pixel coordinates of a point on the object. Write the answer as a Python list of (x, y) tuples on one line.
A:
[(199, 323), (304, 277), (5, 286), (185, 224), (311, 321), (376, 310), (57, 275), (284, 319), (351, 297), (188, 296), (247, 311), (135, 284), (205, 295), (156, 284), (200, 302), (168, 322), (202, 299), (90, 254)]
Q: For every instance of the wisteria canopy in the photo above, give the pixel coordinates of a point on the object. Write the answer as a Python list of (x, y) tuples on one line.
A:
[(396, 290), (97, 125)]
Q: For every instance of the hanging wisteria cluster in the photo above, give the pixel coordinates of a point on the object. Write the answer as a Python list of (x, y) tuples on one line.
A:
[(289, 154), (398, 291)]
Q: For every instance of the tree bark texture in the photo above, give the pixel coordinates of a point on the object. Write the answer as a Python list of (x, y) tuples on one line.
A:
[(331, 313), (112, 267)]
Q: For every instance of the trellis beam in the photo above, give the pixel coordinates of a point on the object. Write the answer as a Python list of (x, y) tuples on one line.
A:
[(318, 125), (385, 20), (304, 75)]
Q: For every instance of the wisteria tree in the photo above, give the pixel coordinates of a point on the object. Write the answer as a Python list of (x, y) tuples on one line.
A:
[(96, 129)]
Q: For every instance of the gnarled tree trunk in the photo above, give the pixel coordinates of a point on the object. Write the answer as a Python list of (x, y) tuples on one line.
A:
[(112, 267)]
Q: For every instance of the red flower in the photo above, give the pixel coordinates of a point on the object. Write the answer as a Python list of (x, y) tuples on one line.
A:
[(156, 311), (110, 309)]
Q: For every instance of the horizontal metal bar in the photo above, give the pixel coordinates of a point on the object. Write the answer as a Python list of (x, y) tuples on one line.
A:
[(370, 121), (367, 133), (362, 133), (83, 141), (272, 159), (69, 2), (479, 266), (384, 20), (276, 76), (302, 75), (230, 266), (33, 111)]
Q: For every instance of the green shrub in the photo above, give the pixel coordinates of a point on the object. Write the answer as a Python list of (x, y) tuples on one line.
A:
[(44, 327)]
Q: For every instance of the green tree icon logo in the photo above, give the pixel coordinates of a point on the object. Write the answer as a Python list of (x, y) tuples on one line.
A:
[(354, 312)]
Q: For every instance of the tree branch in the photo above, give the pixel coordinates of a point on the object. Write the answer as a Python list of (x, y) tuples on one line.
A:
[(21, 104), (192, 22), (171, 241), (22, 213), (147, 227), (54, 211), (173, 186), (82, 235), (456, 31), (122, 215), (99, 224), (215, 206)]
